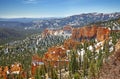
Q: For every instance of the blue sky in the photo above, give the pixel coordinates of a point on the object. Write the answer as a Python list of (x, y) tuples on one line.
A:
[(55, 8)]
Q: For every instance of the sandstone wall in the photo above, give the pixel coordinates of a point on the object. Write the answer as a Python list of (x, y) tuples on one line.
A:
[(100, 33)]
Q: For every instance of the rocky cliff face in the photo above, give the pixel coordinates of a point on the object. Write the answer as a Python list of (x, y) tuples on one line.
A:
[(55, 31), (100, 33), (111, 69), (69, 44), (54, 54)]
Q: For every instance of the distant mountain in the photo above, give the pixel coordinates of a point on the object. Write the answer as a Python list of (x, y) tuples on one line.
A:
[(75, 20), (114, 24), (24, 20), (15, 24), (18, 19)]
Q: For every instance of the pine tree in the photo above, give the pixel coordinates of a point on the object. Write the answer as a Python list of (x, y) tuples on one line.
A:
[(73, 63)]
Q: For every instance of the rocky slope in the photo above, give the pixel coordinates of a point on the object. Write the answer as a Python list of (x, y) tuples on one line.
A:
[(111, 69), (91, 32)]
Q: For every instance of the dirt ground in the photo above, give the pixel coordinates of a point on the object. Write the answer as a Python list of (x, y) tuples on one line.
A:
[(111, 69)]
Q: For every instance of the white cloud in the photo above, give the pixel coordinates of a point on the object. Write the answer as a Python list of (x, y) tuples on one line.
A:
[(30, 1)]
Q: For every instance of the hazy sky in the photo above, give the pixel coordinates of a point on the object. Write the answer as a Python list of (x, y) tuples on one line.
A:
[(55, 8)]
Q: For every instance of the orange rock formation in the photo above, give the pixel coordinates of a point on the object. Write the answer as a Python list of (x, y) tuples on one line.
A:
[(55, 54), (100, 33), (3, 72), (35, 60), (70, 43)]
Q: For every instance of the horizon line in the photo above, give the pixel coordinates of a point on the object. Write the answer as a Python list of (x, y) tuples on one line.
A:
[(16, 17)]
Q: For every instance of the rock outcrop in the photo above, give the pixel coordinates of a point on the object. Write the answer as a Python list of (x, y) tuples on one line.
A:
[(111, 69), (13, 70), (102, 33), (87, 33), (54, 54), (70, 43)]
